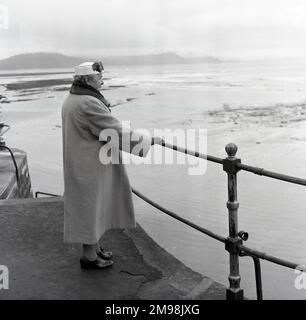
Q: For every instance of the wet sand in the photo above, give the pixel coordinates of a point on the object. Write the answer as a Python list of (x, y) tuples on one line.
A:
[(18, 74), (36, 87), (37, 84)]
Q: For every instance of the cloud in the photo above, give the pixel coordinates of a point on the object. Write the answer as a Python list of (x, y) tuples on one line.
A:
[(221, 27)]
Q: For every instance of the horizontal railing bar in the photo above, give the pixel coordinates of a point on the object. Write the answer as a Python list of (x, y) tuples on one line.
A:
[(193, 153), (271, 174), (245, 167), (177, 217), (45, 193), (249, 251), (264, 256)]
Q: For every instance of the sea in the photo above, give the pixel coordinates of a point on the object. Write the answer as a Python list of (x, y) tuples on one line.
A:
[(207, 96)]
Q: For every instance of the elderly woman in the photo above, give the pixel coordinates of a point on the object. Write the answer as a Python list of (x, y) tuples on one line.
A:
[(97, 196)]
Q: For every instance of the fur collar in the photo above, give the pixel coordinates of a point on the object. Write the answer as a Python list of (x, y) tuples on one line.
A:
[(84, 89)]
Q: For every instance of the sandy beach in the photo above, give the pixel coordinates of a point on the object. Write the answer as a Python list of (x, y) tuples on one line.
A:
[(269, 135)]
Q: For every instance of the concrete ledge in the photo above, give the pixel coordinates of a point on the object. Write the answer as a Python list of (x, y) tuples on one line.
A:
[(9, 188), (41, 266)]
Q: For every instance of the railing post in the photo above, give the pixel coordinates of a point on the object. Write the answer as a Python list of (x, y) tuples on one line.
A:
[(234, 292)]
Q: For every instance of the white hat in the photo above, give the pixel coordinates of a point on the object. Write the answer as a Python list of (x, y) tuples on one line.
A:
[(84, 69)]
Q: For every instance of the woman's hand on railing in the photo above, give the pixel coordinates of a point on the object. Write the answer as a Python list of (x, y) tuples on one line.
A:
[(157, 140)]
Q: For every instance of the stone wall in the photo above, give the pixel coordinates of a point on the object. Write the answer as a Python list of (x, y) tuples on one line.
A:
[(9, 187)]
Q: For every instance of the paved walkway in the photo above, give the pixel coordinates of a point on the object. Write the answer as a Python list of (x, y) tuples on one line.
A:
[(41, 266)]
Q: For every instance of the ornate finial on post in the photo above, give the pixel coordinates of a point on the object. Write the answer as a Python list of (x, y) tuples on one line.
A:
[(231, 150)]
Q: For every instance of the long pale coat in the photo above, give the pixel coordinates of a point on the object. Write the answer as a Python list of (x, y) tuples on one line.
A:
[(97, 196)]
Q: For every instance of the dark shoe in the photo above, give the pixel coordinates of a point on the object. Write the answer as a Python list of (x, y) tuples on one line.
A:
[(95, 264), (105, 255)]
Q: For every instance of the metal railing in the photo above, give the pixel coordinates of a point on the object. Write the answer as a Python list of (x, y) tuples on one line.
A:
[(45, 194), (234, 241)]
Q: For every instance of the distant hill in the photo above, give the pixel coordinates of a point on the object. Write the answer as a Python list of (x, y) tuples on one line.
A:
[(39, 60), (163, 58), (42, 60)]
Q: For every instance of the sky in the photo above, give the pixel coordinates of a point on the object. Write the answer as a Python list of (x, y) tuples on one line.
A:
[(239, 29)]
